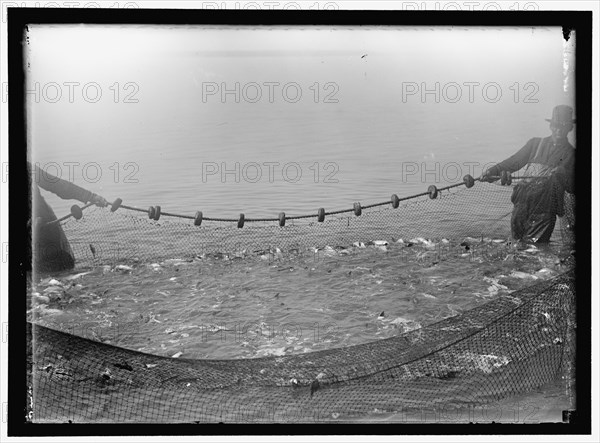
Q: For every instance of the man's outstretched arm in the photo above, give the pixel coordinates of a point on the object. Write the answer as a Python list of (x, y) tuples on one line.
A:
[(512, 163), (64, 189)]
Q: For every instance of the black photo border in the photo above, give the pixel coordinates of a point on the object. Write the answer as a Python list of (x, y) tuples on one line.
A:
[(20, 194)]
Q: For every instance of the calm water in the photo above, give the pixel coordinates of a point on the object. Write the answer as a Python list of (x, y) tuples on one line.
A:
[(356, 132), (353, 135)]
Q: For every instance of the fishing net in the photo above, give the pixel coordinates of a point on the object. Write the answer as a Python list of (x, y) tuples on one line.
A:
[(513, 344), (129, 234), (510, 345)]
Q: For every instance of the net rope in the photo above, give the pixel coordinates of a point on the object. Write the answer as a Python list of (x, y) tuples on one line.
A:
[(483, 211)]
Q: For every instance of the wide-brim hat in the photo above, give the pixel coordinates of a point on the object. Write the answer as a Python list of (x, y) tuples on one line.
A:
[(562, 115)]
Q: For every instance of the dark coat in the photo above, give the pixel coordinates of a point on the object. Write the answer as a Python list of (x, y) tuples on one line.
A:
[(540, 157), (539, 199), (50, 247)]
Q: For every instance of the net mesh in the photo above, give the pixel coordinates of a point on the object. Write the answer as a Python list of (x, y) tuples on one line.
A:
[(102, 237), (510, 345)]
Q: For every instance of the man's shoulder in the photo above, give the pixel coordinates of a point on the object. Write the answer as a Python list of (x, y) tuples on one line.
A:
[(544, 140), (535, 141), (547, 141)]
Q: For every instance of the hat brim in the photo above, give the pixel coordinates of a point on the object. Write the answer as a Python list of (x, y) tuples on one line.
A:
[(562, 123)]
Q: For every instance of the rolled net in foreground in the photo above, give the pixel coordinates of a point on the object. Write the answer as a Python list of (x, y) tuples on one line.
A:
[(510, 345)]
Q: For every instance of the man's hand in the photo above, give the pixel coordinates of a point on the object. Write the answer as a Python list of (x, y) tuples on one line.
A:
[(488, 176), (98, 200)]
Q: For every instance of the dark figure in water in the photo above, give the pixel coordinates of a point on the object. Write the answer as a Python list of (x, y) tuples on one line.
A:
[(50, 248), (550, 165)]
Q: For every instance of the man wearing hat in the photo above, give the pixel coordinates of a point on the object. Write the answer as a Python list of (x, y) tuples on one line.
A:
[(550, 165)]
